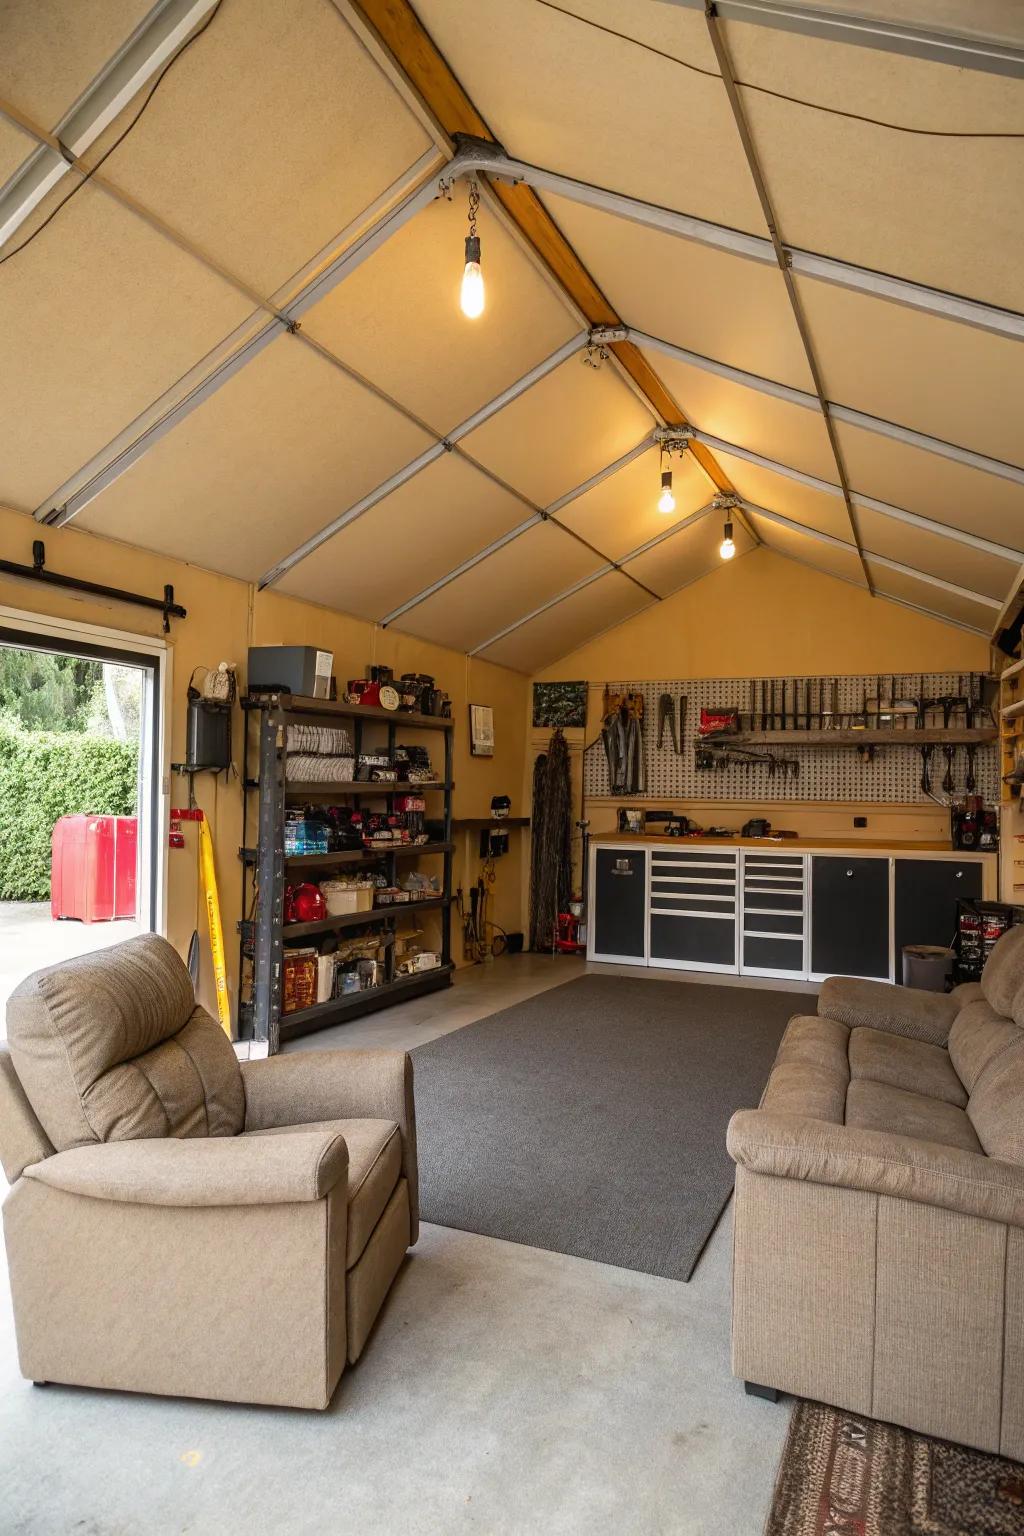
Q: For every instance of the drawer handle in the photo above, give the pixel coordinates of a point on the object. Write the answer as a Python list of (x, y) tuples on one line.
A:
[(849, 873), (959, 874)]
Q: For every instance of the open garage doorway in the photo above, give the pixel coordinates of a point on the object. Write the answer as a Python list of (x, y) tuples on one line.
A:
[(79, 798)]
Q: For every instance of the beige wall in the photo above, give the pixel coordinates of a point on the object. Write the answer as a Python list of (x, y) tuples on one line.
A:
[(768, 616), (224, 618)]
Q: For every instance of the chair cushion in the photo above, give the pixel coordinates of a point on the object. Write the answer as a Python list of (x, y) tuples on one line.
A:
[(903, 1063), (897, 1010), (996, 1105), (112, 1047), (879, 1107), (811, 1070), (374, 1168), (1003, 976)]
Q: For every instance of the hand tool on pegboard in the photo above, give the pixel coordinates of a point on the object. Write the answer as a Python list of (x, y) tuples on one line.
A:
[(970, 777), (667, 715), (949, 754), (926, 769)]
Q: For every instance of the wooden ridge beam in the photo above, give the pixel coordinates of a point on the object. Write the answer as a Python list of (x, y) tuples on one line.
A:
[(398, 30)]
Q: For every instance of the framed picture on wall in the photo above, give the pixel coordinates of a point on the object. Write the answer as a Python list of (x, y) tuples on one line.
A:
[(481, 730), (563, 704)]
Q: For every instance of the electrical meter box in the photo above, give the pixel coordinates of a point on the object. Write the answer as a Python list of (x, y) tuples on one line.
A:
[(300, 669)]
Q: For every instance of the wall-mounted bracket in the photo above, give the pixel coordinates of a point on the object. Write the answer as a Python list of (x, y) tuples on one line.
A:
[(37, 572)]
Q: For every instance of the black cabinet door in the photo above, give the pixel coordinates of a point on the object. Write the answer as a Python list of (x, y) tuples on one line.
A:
[(926, 894), (849, 916), (620, 902)]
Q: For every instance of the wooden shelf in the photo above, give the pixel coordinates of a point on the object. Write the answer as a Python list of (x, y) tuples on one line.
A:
[(366, 787), (297, 704), (912, 737), (1012, 711), (362, 855), (303, 1020), (1014, 670), (357, 919), (497, 822)]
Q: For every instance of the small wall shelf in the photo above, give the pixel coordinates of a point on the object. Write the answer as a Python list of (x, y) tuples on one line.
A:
[(911, 737)]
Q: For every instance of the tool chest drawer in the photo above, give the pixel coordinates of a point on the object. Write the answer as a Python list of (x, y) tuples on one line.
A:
[(774, 915), (693, 909)]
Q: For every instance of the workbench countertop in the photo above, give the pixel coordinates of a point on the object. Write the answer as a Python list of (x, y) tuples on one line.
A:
[(797, 844)]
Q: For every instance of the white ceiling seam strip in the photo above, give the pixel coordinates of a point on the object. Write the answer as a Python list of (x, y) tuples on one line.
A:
[(897, 37), (61, 507), (870, 503), (844, 413), (542, 515), (492, 161), (153, 42), (445, 444), (879, 596), (820, 537)]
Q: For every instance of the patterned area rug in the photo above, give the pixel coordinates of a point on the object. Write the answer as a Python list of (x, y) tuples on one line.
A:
[(845, 1476)]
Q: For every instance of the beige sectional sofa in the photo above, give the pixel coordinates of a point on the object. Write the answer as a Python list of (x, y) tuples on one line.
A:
[(178, 1223), (879, 1212)]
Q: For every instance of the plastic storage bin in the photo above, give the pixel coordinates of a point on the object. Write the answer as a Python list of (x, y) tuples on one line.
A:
[(93, 868)]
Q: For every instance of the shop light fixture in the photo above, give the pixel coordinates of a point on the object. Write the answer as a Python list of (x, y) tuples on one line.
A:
[(725, 503), (666, 501), (471, 296)]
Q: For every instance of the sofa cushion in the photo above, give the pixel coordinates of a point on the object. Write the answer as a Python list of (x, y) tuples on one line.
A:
[(879, 1107), (112, 1047), (996, 1105), (374, 1168), (811, 1071), (978, 1036), (1003, 976), (879, 1005), (903, 1063)]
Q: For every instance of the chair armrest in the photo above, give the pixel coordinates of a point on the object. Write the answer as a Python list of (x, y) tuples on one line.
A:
[(209, 1170), (336, 1085), (858, 1003), (793, 1147)]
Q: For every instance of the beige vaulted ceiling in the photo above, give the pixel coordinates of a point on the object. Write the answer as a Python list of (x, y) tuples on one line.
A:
[(231, 239)]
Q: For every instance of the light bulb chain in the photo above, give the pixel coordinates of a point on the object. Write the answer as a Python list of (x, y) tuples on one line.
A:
[(474, 207)]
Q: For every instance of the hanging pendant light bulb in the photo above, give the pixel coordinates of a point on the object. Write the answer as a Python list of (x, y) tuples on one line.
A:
[(727, 548), (471, 296), (666, 501)]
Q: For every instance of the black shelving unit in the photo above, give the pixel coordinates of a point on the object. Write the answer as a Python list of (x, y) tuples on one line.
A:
[(266, 867)]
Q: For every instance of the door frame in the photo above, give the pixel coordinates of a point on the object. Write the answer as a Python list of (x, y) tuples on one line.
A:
[(35, 631)]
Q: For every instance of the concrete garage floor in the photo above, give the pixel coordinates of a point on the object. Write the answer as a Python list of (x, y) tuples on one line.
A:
[(30, 938), (505, 1390)]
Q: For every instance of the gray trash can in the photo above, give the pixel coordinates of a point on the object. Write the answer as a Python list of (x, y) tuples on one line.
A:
[(927, 966)]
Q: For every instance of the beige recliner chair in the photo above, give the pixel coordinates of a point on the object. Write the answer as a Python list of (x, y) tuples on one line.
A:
[(879, 1215), (180, 1224)]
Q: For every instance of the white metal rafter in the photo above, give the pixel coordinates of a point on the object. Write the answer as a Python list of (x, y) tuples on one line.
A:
[(153, 42)]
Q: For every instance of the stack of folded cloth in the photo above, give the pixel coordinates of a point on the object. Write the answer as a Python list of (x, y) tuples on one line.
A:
[(319, 754)]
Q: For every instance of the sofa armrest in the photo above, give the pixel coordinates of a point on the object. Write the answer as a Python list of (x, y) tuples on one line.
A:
[(793, 1147), (336, 1085), (209, 1170), (858, 1003)]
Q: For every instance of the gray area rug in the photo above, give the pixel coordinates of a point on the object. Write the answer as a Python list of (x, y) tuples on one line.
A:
[(591, 1119)]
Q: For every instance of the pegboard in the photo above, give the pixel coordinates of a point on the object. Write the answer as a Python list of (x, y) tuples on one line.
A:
[(825, 773)]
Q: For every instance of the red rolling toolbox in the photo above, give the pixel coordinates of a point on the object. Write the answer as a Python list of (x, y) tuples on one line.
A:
[(93, 868)]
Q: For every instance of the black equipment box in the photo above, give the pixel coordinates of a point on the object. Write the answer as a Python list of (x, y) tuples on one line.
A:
[(299, 669), (208, 733)]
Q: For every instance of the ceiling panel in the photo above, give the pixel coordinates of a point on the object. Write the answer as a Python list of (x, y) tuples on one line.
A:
[(53, 49), (268, 137), (597, 607), (725, 307), (934, 487), (687, 555), (501, 589), (544, 83), (438, 519), (936, 376), (791, 434), (829, 558), (564, 429), (87, 344), (285, 446), (621, 513), (922, 594), (934, 209), (779, 493), (397, 318), (946, 558)]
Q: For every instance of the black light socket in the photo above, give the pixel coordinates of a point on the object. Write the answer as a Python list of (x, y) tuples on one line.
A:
[(473, 248)]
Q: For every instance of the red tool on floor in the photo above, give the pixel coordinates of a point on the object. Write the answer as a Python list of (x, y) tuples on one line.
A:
[(567, 930)]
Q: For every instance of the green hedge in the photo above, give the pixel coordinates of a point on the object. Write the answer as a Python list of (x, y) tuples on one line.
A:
[(45, 775)]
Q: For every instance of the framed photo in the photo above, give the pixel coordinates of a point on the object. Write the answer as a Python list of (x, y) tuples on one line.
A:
[(481, 730), (563, 704)]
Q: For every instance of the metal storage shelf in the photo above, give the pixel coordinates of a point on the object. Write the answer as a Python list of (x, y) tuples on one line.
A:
[(304, 1020), (266, 866)]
